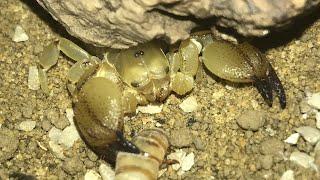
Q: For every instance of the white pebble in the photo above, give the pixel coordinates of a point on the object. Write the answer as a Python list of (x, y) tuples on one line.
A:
[(20, 35), (54, 134), (56, 149), (70, 114), (288, 175), (150, 108), (189, 104), (318, 120), (106, 172), (33, 78), (302, 159), (292, 139), (314, 100), (92, 175), (187, 162), (68, 136), (27, 125), (310, 134)]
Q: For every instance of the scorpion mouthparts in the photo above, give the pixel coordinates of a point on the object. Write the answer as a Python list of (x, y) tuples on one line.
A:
[(276, 85), (125, 145), (264, 89), (267, 85)]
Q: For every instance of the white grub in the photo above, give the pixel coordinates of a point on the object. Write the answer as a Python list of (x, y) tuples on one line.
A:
[(19, 34), (33, 78), (303, 159), (150, 108), (106, 172), (27, 125), (92, 175), (310, 134), (314, 100), (287, 175), (189, 104), (292, 139)]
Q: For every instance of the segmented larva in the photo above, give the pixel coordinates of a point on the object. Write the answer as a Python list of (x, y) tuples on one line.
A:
[(153, 144)]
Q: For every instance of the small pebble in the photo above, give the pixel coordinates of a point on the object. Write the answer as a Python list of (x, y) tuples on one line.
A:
[(150, 108), (8, 145), (178, 155), (310, 134), (106, 172), (68, 136), (266, 161), (302, 159), (92, 175), (288, 175), (187, 162), (70, 115), (33, 78), (19, 34), (292, 139), (189, 104), (314, 100), (72, 165), (181, 137), (272, 146), (251, 120), (318, 120), (27, 125), (56, 149), (198, 144)]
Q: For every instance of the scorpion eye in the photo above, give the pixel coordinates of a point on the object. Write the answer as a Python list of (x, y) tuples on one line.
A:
[(135, 84), (139, 53)]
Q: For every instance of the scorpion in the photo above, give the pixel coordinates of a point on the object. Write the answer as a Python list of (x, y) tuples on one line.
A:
[(104, 91)]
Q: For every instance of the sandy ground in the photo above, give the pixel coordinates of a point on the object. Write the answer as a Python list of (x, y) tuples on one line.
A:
[(222, 149)]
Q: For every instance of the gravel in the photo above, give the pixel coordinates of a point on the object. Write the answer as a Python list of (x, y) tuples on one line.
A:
[(20, 34), (302, 159), (72, 165), (310, 134), (27, 125), (314, 100), (272, 146), (33, 78), (181, 138), (251, 120), (8, 144), (266, 161)]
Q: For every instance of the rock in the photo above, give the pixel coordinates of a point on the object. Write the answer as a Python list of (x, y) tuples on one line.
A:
[(310, 134), (302, 159), (251, 120), (288, 175), (70, 115), (178, 155), (106, 172), (120, 24), (72, 165), (92, 175), (46, 125), (314, 100), (189, 104), (318, 120), (19, 34), (56, 149), (292, 139), (27, 125), (187, 162), (33, 78), (150, 108), (58, 121), (68, 136), (198, 143), (8, 144), (181, 138), (266, 161), (272, 146)]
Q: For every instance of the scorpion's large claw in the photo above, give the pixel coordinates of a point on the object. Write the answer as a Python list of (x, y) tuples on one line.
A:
[(244, 63), (269, 84)]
